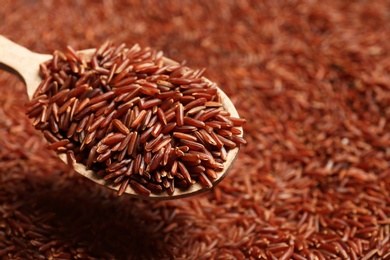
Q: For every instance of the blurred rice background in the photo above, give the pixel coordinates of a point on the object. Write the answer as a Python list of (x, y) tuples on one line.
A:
[(312, 78)]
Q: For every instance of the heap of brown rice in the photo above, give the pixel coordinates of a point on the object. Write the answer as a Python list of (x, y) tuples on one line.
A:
[(313, 182)]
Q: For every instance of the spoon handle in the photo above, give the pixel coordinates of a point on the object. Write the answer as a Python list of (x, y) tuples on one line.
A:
[(22, 62)]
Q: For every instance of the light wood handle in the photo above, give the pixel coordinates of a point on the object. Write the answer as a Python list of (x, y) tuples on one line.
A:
[(22, 62)]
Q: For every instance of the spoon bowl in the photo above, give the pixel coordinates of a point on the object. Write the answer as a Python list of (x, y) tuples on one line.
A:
[(25, 64)]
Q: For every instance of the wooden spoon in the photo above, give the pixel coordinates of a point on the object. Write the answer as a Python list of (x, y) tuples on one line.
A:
[(24, 63)]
